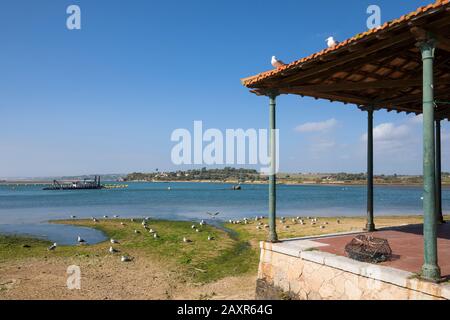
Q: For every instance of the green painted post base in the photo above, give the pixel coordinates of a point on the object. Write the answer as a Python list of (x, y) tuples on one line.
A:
[(431, 273), (370, 227)]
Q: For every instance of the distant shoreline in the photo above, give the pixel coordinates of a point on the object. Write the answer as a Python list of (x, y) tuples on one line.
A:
[(331, 184), (337, 184)]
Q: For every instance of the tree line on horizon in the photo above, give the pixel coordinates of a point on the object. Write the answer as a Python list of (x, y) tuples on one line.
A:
[(251, 175)]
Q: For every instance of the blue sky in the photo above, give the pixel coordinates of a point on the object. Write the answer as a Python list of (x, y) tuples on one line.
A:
[(106, 98)]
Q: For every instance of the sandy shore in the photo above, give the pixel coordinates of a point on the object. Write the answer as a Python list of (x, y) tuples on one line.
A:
[(103, 279), (35, 273)]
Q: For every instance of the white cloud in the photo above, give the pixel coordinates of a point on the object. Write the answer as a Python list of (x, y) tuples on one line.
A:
[(317, 126), (388, 132), (416, 119), (395, 142)]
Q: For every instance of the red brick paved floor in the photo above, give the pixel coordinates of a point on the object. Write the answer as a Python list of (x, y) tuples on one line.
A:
[(407, 247)]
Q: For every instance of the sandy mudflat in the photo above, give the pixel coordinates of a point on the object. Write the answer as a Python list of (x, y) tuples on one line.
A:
[(104, 278), (166, 268)]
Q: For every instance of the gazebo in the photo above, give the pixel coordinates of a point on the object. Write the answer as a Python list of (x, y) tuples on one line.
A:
[(401, 66)]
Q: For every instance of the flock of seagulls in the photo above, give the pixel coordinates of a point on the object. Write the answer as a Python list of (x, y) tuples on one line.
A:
[(283, 221), (113, 250), (197, 228), (276, 63)]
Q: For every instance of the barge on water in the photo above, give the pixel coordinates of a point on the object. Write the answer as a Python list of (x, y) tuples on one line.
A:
[(76, 185)]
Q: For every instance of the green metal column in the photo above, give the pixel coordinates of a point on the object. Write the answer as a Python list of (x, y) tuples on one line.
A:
[(273, 237), (439, 217), (370, 223), (430, 268)]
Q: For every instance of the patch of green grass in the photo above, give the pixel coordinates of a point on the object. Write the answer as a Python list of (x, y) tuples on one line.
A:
[(19, 247), (198, 261), (14, 247)]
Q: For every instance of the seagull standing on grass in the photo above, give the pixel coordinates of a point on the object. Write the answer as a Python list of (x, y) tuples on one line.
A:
[(114, 241), (186, 240), (331, 42), (277, 63), (112, 250), (52, 247), (125, 259)]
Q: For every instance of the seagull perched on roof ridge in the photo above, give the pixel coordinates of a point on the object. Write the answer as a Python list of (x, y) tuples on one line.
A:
[(277, 63), (331, 42)]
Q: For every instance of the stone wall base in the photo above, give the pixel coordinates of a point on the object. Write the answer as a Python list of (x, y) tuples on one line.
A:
[(268, 291), (286, 277)]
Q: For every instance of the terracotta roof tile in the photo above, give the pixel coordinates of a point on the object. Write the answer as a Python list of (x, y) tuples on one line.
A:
[(250, 81)]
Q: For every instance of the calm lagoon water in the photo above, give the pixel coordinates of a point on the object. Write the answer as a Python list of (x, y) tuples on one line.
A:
[(27, 209)]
